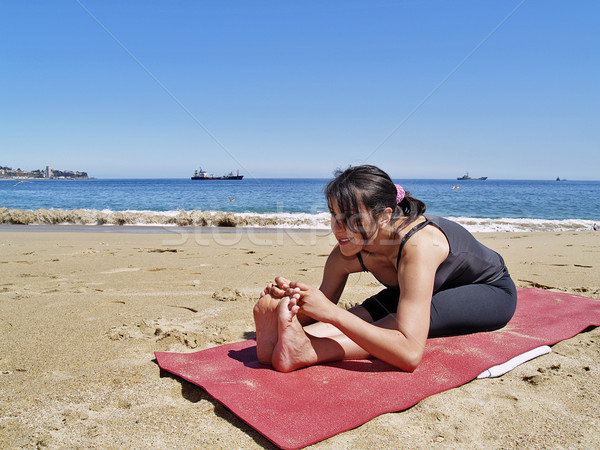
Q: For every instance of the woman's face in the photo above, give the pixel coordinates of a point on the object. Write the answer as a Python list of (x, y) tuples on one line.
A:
[(350, 242)]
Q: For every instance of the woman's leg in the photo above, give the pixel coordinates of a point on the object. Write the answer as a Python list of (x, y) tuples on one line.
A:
[(322, 329), (461, 310), (266, 322), (472, 308), (296, 347)]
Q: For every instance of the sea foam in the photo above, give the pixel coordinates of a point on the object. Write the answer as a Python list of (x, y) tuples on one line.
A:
[(319, 221)]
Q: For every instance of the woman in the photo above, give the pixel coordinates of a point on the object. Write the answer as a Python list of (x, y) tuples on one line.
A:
[(439, 281)]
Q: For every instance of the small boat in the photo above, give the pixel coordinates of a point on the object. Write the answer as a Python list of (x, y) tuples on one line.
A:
[(203, 175), (467, 177)]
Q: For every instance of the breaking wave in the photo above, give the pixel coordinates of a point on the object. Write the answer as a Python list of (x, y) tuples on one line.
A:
[(253, 220)]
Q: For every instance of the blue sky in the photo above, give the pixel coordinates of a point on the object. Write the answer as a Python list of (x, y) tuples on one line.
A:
[(423, 89)]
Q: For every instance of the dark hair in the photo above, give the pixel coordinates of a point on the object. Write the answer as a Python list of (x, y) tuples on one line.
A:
[(373, 188)]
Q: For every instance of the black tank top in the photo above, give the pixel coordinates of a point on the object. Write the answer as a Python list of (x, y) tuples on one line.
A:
[(468, 261)]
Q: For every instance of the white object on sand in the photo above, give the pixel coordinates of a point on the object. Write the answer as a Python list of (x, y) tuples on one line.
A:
[(501, 369)]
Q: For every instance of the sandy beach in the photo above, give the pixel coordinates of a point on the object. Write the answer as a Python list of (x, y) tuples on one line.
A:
[(82, 313)]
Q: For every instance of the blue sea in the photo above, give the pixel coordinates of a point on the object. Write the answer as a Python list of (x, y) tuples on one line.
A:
[(490, 205)]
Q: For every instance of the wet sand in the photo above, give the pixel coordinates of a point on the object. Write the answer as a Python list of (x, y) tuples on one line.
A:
[(81, 314)]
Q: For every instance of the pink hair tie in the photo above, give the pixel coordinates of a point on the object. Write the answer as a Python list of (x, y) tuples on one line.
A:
[(400, 193)]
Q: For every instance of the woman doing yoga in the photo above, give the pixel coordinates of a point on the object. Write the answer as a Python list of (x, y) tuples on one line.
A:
[(439, 281)]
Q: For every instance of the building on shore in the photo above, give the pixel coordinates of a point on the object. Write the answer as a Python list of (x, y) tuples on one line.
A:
[(49, 173)]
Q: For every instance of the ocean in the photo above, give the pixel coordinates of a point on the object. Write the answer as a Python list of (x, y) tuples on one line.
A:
[(490, 205)]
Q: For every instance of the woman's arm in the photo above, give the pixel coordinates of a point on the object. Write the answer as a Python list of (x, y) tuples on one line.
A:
[(397, 339), (335, 274)]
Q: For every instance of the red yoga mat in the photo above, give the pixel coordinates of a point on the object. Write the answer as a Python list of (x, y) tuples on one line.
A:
[(324, 400)]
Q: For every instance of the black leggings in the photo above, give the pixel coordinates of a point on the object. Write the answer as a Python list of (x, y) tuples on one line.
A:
[(460, 310)]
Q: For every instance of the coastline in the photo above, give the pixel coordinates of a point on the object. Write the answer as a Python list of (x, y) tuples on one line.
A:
[(81, 314)]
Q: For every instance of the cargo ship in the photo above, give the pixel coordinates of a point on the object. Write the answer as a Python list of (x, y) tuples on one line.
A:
[(203, 175), (467, 177)]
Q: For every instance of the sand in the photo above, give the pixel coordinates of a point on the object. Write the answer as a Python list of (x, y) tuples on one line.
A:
[(81, 314)]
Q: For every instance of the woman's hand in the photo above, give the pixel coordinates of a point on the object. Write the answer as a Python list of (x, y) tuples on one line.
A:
[(278, 289), (312, 302)]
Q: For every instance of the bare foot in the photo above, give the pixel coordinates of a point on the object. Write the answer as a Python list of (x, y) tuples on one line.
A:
[(293, 349), (265, 320)]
